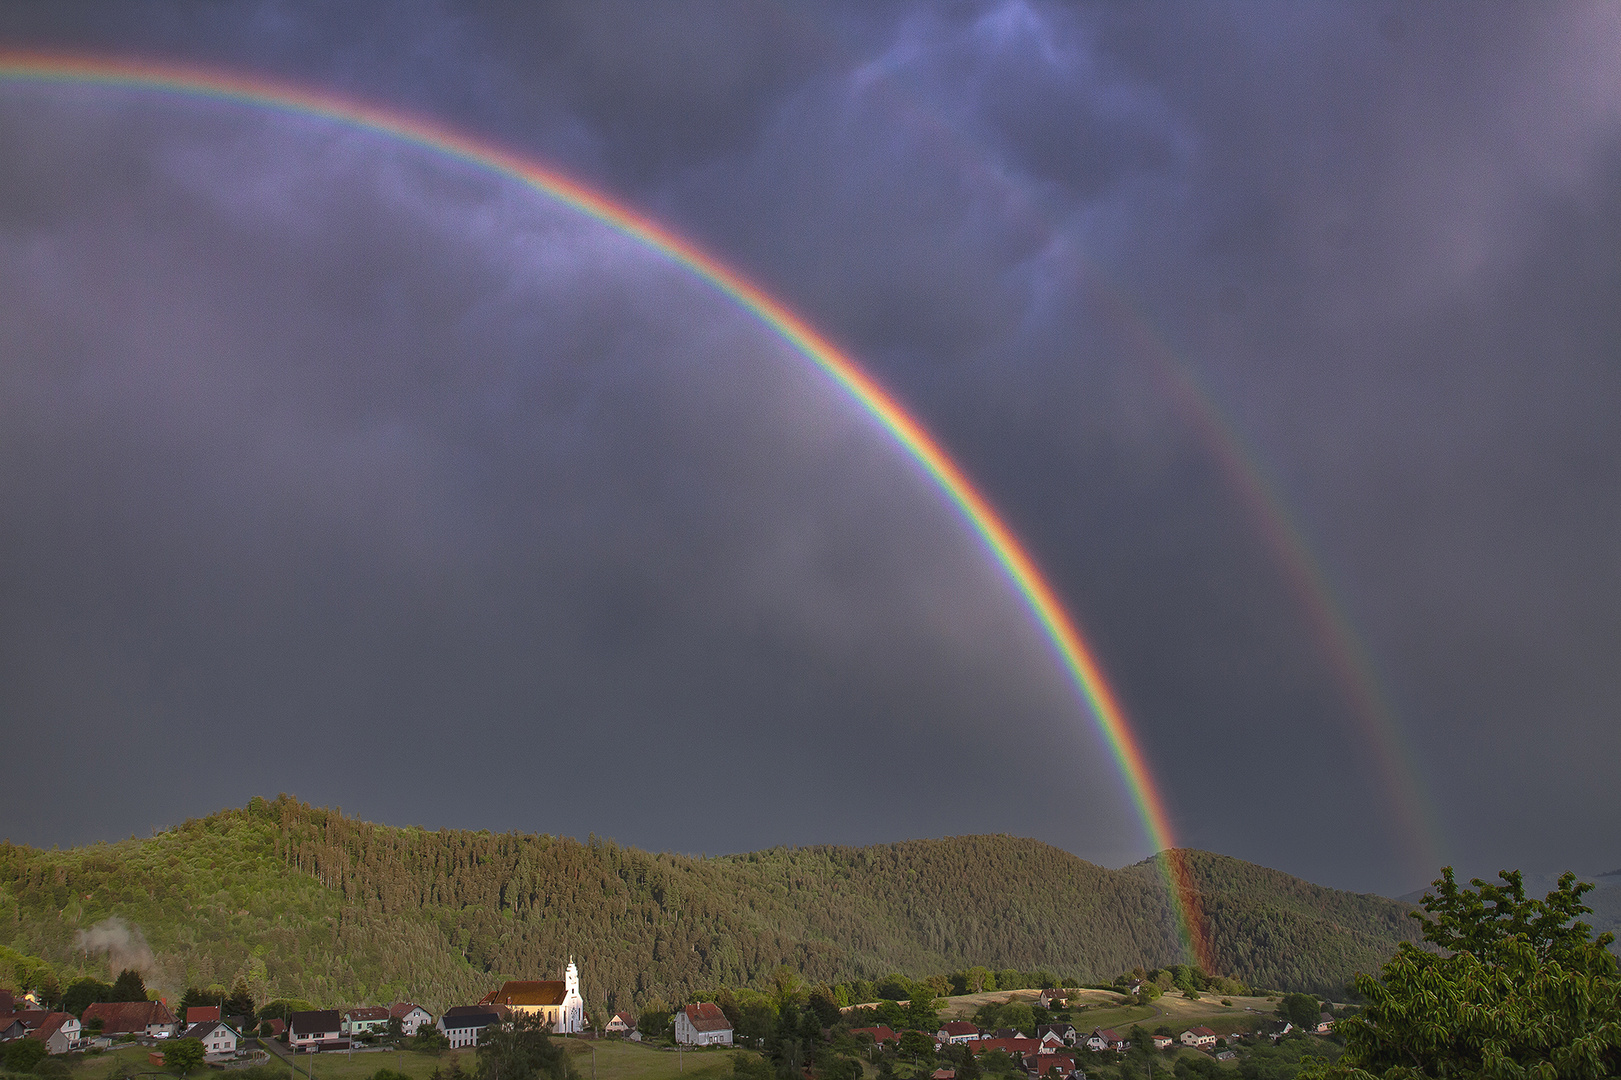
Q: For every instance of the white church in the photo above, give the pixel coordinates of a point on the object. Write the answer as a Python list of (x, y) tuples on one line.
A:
[(556, 1004)]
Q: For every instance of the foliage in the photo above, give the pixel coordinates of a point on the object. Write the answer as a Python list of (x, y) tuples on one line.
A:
[(1522, 990), (296, 901), (520, 1049), (129, 986), (82, 993), (21, 1055), (429, 1040), (1301, 1010), (182, 1055)]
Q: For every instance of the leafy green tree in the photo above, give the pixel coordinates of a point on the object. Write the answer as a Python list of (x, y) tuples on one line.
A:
[(429, 1040), (520, 1050), (195, 997), (23, 1054), (1301, 1010), (917, 1045), (82, 993), (923, 1011), (182, 1055), (282, 1008), (1520, 990), (129, 986)]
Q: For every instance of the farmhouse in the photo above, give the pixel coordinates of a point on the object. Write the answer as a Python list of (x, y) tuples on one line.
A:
[(621, 1023), (365, 1020), (150, 1018), (703, 1024), (1200, 1038), (411, 1016), (317, 1029)]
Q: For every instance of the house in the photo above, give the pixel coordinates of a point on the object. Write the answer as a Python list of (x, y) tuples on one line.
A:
[(1065, 1032), (1016, 1047), (1200, 1038), (278, 1027), (957, 1032), (703, 1024), (1325, 1023), (411, 1016), (1050, 1041), (219, 1039), (201, 1014), (1163, 1042), (1003, 1033), (1039, 1065), (463, 1024), (1053, 998), (557, 1004), (318, 1029), (621, 1023), (365, 1020), (150, 1018), (59, 1031), (1226, 1055), (11, 1028), (1107, 1039), (943, 1074), (880, 1035)]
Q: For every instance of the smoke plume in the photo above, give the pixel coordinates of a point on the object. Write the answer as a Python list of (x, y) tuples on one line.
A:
[(124, 945)]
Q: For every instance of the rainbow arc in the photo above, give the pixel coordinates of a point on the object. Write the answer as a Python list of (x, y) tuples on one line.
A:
[(1077, 656)]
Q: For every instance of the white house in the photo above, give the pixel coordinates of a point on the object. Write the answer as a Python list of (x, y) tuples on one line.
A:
[(219, 1039), (1200, 1038), (59, 1031), (410, 1015), (309, 1030), (703, 1024), (462, 1026), (621, 1023), (1107, 1039)]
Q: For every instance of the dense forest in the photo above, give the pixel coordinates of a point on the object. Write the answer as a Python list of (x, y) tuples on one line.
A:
[(307, 903)]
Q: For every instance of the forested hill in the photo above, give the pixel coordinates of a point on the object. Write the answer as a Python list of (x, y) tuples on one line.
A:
[(307, 903)]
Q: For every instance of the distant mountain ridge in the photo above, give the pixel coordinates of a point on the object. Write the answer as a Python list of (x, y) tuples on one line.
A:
[(305, 902)]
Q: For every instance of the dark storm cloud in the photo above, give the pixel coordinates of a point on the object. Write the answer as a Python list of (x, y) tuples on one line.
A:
[(492, 470)]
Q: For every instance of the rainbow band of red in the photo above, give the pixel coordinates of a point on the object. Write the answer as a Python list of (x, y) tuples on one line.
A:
[(1076, 655)]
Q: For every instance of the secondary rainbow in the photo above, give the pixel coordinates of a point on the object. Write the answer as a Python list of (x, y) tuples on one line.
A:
[(1074, 653)]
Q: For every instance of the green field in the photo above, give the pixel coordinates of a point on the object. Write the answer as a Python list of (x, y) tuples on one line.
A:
[(608, 1059)]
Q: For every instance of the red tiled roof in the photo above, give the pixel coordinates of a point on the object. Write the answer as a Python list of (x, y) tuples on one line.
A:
[(881, 1034), (529, 993), (278, 1027), (1017, 1047), (50, 1025), (959, 1027), (706, 1016), (1202, 1032), (402, 1009), (367, 1012), (120, 1017)]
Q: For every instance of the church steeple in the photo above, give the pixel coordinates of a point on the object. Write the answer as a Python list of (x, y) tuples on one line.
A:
[(571, 978)]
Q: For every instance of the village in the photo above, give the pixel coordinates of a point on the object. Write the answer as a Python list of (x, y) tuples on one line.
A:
[(1023, 1035)]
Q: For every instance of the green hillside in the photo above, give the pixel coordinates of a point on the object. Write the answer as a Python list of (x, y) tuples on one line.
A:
[(304, 902)]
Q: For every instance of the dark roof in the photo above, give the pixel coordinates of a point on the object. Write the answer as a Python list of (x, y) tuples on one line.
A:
[(706, 1016), (469, 1016), (119, 1017), (198, 1031), (530, 993), (50, 1025), (316, 1020)]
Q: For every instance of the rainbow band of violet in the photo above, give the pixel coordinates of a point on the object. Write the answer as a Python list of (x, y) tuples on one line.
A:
[(1075, 654)]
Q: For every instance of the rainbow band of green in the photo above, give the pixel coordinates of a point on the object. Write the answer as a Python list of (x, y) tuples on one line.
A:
[(1077, 657)]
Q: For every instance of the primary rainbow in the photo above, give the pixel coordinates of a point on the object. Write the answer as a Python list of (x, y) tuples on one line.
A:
[(1076, 655)]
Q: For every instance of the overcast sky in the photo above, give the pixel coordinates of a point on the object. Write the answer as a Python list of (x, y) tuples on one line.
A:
[(332, 467)]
